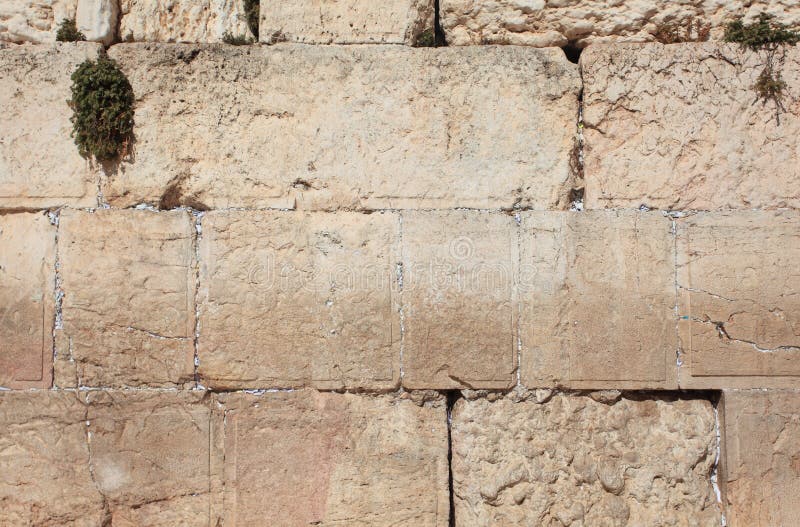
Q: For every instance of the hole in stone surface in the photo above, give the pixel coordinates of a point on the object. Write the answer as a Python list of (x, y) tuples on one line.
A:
[(572, 51)]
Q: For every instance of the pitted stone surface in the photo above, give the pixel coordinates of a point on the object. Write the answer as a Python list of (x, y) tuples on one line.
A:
[(128, 311), (34, 21), (293, 299), (181, 20), (575, 461), (379, 127), (680, 127)]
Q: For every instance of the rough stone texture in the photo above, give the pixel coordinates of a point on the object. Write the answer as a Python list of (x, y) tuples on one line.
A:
[(574, 461), (583, 22), (761, 468), (181, 20), (46, 480), (98, 20), (598, 300), (39, 162), (27, 300), (739, 306), (33, 21), (680, 126), (128, 311), (310, 458), (152, 457), (345, 22), (293, 299), (379, 126), (459, 305)]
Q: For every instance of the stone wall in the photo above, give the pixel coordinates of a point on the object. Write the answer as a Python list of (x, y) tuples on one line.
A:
[(379, 284)]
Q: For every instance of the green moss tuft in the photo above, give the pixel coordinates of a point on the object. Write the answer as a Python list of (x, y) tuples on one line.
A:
[(68, 31), (763, 34), (236, 40)]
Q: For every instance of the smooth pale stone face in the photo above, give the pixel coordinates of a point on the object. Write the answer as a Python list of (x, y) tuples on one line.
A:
[(181, 20)]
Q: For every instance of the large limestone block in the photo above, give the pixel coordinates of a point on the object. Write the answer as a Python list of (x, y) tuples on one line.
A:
[(761, 465), (598, 300), (154, 457), (583, 22), (575, 461), (181, 20), (98, 20), (293, 299), (33, 21), (327, 459), (45, 462), (680, 127), (128, 278), (324, 127), (739, 307), (459, 305), (345, 22), (27, 300), (39, 162)]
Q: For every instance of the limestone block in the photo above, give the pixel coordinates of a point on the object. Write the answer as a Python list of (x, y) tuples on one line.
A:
[(27, 300), (459, 305), (345, 22), (576, 461), (761, 470), (128, 278), (39, 162), (739, 308), (327, 459), (681, 127), (598, 300), (46, 478), (98, 19), (181, 20), (34, 21), (583, 22), (356, 127), (154, 457), (293, 299)]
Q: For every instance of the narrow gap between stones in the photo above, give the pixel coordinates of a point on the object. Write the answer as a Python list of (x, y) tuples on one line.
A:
[(439, 39), (452, 398), (572, 51), (576, 193)]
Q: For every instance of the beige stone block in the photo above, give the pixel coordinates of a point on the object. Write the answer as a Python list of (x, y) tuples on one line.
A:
[(583, 22), (46, 478), (27, 300), (98, 20), (681, 127), (739, 312), (293, 299), (576, 461), (181, 20), (459, 304), (379, 127), (154, 457), (39, 163), (345, 22), (761, 464), (598, 300), (34, 21), (311, 458), (128, 278)]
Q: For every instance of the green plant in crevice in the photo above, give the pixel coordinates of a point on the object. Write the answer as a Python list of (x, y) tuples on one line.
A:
[(68, 31), (102, 105), (252, 14), (236, 40)]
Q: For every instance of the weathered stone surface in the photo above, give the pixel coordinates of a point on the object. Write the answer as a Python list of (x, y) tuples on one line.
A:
[(459, 305), (39, 162), (98, 19), (293, 299), (46, 479), (310, 458), (33, 20), (761, 467), (575, 461), (680, 126), (583, 22), (27, 300), (739, 308), (154, 457), (128, 278), (598, 300), (379, 126), (345, 22), (181, 20)]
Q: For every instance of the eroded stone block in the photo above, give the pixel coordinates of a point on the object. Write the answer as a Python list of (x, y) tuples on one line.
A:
[(181, 20), (293, 299), (34, 21), (27, 300), (128, 278)]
